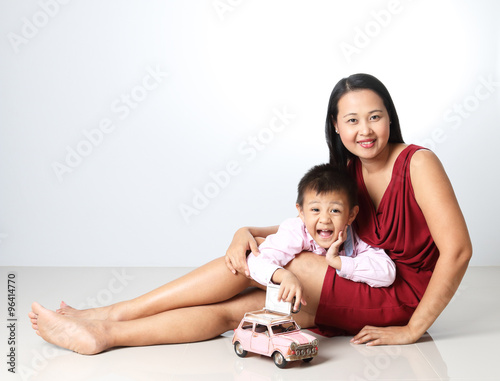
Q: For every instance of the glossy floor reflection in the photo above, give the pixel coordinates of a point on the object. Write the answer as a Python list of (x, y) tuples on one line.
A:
[(461, 345)]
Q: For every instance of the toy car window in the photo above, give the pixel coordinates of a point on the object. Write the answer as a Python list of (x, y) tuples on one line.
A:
[(285, 327), (278, 328), (261, 328), (246, 325)]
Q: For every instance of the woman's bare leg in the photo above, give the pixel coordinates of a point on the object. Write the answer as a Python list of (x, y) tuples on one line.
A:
[(175, 326), (182, 325), (207, 284), (213, 283), (311, 269)]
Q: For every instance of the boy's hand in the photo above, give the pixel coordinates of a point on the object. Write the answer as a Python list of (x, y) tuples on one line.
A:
[(332, 255), (290, 287)]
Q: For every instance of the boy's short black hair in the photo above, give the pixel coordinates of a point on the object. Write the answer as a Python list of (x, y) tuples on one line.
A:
[(325, 178)]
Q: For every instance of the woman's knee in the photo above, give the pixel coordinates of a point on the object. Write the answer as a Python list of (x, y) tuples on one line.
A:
[(305, 319), (235, 308), (310, 269)]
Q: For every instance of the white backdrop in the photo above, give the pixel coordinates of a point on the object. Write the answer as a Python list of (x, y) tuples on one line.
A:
[(146, 132)]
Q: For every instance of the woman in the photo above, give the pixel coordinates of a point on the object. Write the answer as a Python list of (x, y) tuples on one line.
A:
[(407, 207)]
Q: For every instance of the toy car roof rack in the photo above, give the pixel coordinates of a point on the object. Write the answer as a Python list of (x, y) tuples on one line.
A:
[(275, 310), (267, 317)]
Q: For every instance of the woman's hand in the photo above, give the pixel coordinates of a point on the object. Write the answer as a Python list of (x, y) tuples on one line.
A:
[(385, 336), (236, 254)]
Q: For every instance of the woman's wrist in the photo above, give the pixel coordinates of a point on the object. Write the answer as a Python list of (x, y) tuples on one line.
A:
[(251, 230), (418, 325), (243, 229), (415, 333), (261, 231)]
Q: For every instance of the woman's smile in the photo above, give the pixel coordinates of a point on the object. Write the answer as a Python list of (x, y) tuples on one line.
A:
[(367, 143)]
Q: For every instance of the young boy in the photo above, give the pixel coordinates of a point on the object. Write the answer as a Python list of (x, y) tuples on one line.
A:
[(327, 206)]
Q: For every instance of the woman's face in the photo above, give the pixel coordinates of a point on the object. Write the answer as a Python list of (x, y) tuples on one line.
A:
[(363, 123)]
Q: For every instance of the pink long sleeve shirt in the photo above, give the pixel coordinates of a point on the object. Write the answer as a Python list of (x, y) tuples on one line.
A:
[(360, 261)]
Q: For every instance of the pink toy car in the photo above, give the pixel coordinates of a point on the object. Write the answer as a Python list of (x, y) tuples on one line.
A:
[(274, 334)]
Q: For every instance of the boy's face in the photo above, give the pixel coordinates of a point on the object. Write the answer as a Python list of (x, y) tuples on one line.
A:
[(326, 215)]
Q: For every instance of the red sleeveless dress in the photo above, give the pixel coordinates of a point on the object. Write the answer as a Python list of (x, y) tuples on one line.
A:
[(398, 226)]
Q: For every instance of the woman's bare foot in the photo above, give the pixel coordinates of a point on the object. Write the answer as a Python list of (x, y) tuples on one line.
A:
[(86, 337), (100, 313)]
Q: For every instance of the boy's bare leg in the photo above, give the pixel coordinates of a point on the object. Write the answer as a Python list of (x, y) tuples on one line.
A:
[(207, 284), (182, 325)]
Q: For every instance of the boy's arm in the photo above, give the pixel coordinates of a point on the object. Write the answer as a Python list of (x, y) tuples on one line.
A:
[(368, 264), (290, 287), (261, 268), (276, 251)]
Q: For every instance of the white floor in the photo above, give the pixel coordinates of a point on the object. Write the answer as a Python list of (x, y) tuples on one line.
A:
[(463, 344)]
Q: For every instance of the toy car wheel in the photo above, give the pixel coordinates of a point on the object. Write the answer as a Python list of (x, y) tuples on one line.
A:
[(238, 348), (279, 360), (308, 360)]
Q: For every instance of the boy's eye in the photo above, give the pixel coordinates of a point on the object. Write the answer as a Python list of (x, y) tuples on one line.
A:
[(316, 210), (335, 211)]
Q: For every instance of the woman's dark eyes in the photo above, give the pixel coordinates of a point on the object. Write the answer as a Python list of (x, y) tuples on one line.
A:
[(373, 117)]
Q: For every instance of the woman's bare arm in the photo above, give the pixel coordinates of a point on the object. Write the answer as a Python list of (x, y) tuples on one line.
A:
[(435, 196), (244, 240)]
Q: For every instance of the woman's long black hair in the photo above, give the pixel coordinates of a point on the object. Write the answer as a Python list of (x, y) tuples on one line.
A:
[(339, 155)]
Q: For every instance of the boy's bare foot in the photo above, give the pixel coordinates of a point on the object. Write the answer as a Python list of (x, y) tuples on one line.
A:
[(100, 313), (86, 337)]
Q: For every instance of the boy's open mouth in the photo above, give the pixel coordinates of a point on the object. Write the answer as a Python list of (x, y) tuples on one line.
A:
[(325, 233)]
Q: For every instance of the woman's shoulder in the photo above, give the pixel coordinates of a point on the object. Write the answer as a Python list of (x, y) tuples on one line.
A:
[(421, 158), (428, 176), (424, 160)]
